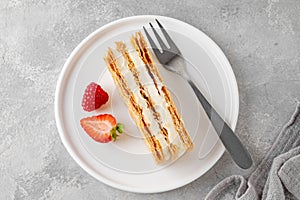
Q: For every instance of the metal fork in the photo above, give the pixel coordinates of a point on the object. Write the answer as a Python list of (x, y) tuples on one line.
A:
[(167, 55)]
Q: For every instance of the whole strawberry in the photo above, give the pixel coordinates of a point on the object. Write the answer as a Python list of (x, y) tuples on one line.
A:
[(94, 97)]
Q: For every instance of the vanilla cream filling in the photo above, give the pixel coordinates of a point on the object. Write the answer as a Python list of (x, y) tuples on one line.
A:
[(147, 113), (161, 105)]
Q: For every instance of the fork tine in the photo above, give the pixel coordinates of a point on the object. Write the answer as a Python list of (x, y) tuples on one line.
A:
[(153, 45), (172, 45), (160, 41)]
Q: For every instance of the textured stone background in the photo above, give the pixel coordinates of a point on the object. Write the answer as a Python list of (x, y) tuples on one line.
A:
[(260, 38)]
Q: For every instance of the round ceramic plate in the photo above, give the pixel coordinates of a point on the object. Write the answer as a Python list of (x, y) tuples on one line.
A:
[(127, 164)]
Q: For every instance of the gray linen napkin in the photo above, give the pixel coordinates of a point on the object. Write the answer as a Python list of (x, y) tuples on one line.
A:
[(276, 177)]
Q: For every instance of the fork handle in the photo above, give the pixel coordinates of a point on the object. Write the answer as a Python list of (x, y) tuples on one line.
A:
[(234, 146)]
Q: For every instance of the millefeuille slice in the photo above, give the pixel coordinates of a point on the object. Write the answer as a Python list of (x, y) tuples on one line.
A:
[(148, 99)]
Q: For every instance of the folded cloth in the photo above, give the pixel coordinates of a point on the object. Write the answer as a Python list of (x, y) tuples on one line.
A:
[(276, 177)]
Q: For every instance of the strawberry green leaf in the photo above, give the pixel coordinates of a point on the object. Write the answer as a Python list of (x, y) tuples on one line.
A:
[(120, 127), (113, 133)]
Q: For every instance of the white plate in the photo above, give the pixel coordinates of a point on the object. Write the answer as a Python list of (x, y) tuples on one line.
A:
[(127, 164)]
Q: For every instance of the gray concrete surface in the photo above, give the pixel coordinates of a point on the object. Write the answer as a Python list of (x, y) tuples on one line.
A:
[(260, 38)]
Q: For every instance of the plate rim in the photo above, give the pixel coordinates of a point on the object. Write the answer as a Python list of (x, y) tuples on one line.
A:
[(60, 87)]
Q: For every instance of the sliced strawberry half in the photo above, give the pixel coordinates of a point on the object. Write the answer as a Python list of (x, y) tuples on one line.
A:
[(102, 128)]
